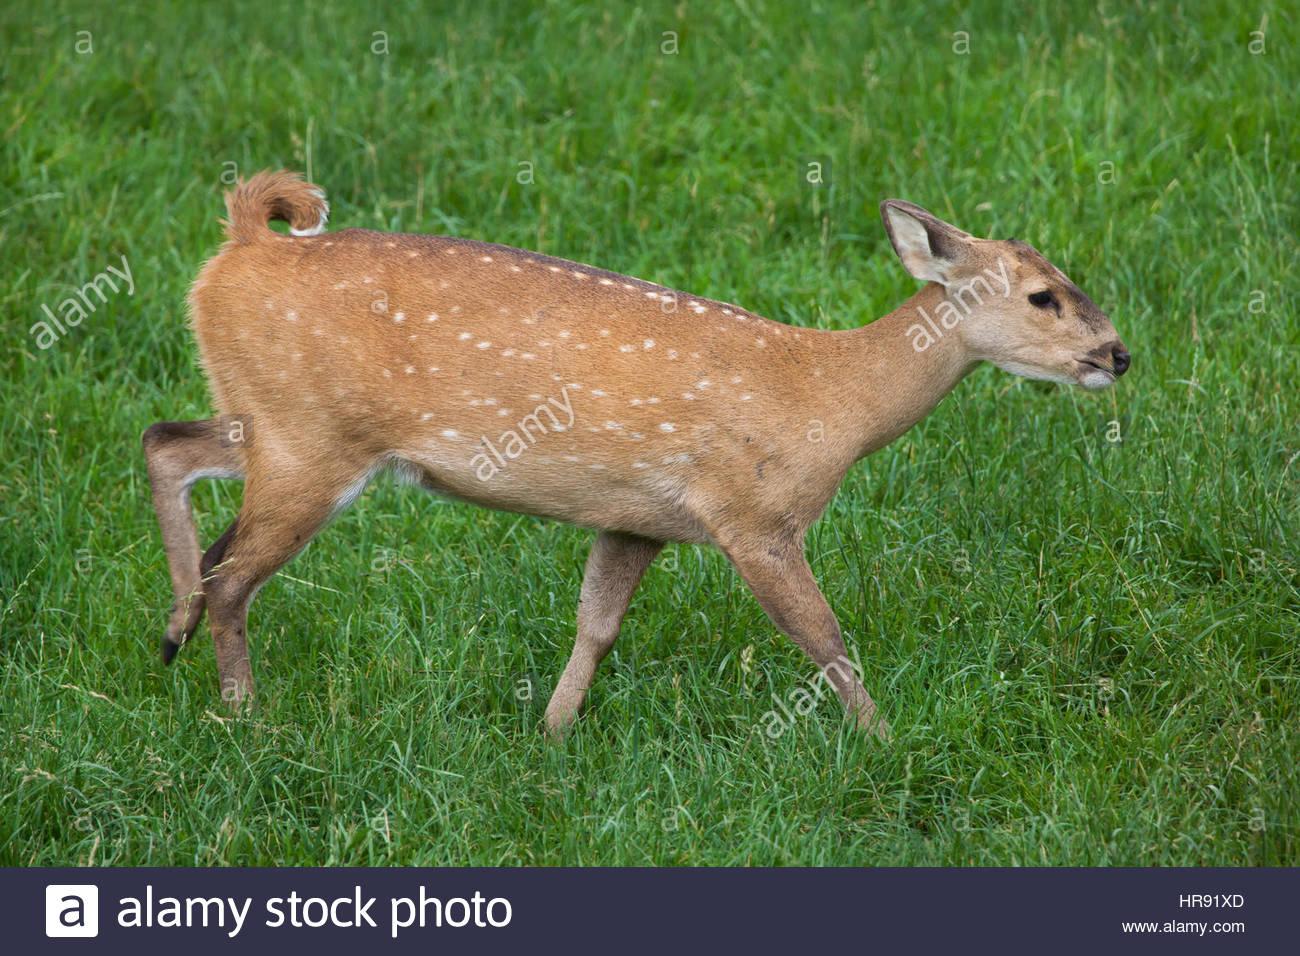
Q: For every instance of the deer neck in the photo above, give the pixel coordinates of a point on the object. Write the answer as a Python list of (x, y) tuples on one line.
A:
[(892, 372)]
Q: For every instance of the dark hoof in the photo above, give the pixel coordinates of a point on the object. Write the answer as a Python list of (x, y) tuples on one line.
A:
[(169, 649)]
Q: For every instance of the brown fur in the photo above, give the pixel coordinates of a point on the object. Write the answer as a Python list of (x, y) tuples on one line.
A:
[(282, 196), (691, 420)]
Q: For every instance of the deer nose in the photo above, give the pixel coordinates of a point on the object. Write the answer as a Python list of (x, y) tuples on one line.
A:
[(1119, 355)]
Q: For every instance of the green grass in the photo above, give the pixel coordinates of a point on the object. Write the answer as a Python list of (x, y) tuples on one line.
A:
[(1087, 647)]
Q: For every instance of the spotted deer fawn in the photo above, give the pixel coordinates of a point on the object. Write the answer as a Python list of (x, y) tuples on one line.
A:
[(526, 383)]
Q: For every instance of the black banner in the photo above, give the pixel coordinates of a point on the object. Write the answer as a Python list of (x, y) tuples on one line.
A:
[(644, 910)]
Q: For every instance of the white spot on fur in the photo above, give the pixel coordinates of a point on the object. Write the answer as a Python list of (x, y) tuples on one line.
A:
[(667, 427)]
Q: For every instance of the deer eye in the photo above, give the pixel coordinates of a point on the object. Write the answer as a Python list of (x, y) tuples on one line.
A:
[(1041, 299)]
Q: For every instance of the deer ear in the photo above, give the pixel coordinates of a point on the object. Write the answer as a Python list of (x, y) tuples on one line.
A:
[(930, 248)]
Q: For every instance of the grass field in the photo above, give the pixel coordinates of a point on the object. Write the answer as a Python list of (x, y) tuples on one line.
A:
[(1078, 611)]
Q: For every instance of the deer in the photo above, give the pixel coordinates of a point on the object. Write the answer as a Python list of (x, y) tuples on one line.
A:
[(526, 383)]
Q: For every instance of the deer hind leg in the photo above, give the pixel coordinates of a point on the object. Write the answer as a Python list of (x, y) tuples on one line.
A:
[(779, 576), (614, 568), (279, 517), (179, 454)]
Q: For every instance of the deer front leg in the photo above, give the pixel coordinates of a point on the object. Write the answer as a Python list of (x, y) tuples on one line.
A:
[(780, 578), (614, 568)]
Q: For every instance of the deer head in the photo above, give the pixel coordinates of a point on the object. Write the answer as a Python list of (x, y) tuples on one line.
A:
[(1007, 304)]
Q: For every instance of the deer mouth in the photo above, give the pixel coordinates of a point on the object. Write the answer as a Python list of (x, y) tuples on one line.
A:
[(1093, 375)]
